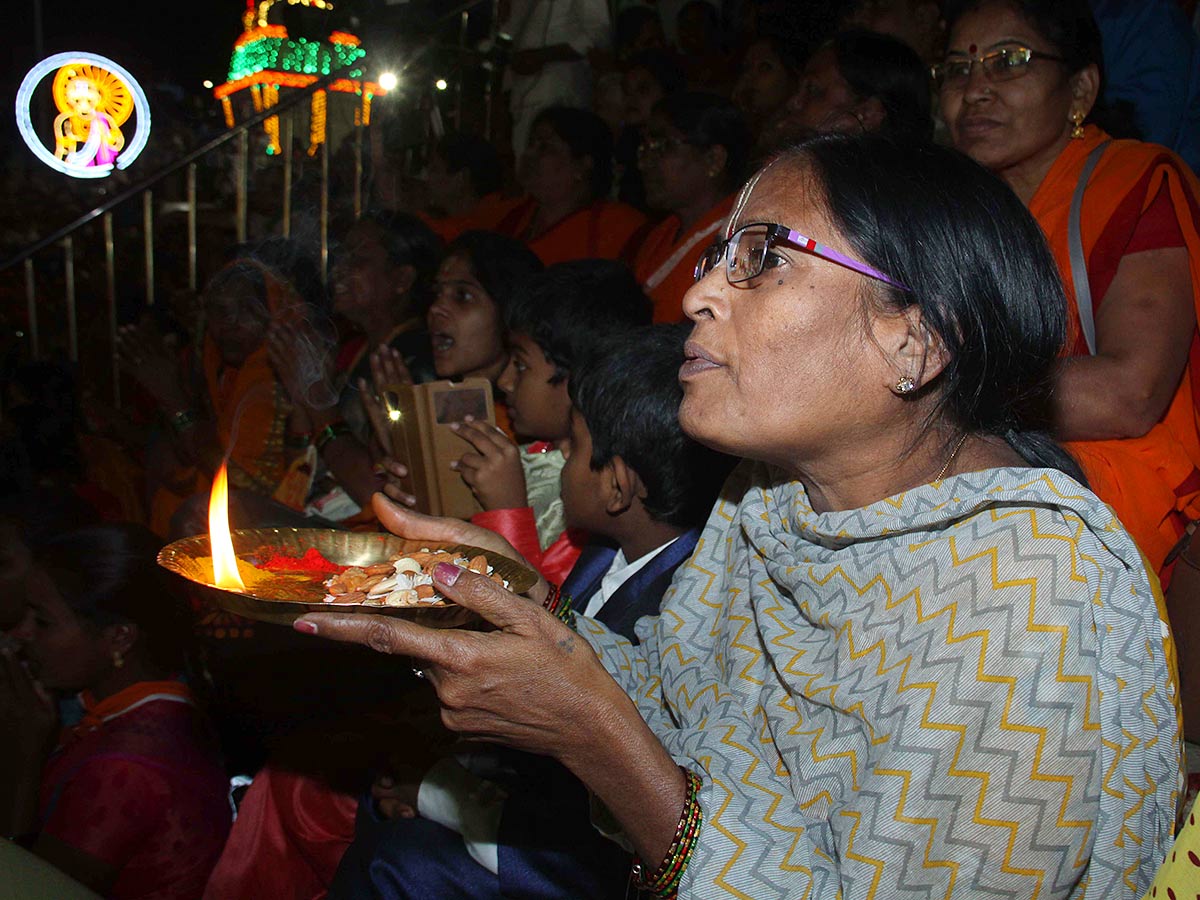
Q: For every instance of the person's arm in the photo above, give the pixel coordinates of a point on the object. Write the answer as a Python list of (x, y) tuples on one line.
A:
[(536, 685), (1144, 330)]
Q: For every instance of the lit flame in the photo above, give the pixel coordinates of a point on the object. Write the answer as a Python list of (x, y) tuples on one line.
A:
[(225, 568)]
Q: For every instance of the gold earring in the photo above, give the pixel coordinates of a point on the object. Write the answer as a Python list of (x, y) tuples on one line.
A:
[(1077, 122), (905, 385), (118, 659)]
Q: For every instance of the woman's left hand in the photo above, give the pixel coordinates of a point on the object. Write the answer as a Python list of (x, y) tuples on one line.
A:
[(302, 361), (532, 684), (493, 470)]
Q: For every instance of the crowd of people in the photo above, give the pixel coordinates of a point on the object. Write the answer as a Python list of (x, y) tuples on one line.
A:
[(845, 407)]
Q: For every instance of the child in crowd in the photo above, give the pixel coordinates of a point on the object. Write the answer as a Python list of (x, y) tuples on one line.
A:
[(503, 823), (552, 320)]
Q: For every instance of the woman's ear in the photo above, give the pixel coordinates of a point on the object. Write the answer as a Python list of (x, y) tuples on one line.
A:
[(716, 158), (916, 354), (406, 277), (1085, 88), (121, 638), (870, 114)]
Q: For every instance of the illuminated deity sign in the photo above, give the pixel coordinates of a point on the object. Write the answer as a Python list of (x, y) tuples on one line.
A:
[(95, 98)]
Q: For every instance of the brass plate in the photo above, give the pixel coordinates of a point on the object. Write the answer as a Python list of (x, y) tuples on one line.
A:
[(282, 597)]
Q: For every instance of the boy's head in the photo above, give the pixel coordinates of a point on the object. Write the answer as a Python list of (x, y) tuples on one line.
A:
[(626, 445), (554, 319)]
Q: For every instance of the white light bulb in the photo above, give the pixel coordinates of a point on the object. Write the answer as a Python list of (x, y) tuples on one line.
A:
[(441, 84), (388, 81)]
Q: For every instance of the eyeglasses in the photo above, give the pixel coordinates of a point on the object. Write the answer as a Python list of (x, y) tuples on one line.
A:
[(659, 145), (1003, 64), (748, 249)]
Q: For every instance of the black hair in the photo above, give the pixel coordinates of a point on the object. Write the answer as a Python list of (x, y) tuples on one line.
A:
[(499, 263), (571, 305), (629, 24), (627, 391), (978, 268), (408, 241), (108, 575), (586, 134), (662, 67), (475, 154), (880, 66), (1069, 26), (707, 120)]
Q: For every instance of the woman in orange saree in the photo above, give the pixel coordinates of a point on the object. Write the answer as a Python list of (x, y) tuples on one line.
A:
[(1017, 87), (238, 407), (692, 158)]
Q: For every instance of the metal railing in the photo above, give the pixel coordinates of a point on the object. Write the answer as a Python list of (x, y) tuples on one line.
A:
[(65, 237)]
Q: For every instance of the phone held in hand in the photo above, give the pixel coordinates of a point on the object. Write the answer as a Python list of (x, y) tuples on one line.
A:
[(421, 416)]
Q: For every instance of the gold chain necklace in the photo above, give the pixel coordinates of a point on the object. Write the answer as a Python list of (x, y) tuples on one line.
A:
[(946, 468)]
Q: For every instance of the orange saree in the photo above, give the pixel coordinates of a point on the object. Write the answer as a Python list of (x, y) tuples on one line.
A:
[(604, 230), (250, 409), (1153, 481), (666, 263)]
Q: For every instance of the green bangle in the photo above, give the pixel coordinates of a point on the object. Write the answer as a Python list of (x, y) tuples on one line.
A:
[(330, 432)]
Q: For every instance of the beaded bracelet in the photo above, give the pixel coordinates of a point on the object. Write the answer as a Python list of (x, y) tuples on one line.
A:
[(664, 882), (329, 433), (558, 605), (182, 420)]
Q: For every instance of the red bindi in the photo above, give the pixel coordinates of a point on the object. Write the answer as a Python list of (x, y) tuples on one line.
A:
[(972, 49)]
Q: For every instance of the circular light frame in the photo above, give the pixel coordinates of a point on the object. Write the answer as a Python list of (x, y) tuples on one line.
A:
[(35, 76)]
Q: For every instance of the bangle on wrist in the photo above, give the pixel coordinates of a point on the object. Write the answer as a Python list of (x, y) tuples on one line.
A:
[(558, 605), (182, 420), (330, 432), (664, 882)]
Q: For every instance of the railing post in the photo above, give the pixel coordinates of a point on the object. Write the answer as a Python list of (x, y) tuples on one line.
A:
[(31, 309), (191, 225), (358, 163), (69, 278), (110, 284), (148, 229), (243, 175), (287, 173), (324, 211)]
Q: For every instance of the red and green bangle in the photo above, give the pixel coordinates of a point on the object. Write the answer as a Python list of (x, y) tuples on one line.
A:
[(329, 433), (664, 882), (558, 605)]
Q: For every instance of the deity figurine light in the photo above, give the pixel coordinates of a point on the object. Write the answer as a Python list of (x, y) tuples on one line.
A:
[(95, 99)]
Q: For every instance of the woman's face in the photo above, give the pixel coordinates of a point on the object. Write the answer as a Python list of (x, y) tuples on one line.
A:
[(764, 83), (548, 170), (364, 278), (784, 368), (236, 319), (824, 103), (1007, 125), (464, 325), (674, 171), (64, 652), (641, 91)]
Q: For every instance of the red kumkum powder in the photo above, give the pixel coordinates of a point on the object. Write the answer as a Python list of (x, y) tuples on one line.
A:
[(311, 561)]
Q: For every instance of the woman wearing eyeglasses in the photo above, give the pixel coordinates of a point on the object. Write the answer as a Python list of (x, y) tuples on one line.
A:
[(911, 654), (1018, 88), (692, 158)]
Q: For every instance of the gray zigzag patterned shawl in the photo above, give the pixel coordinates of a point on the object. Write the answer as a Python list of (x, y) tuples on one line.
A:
[(960, 691)]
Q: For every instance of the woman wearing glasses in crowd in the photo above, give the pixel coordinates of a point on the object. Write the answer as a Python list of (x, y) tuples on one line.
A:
[(692, 158), (911, 653), (1018, 89)]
